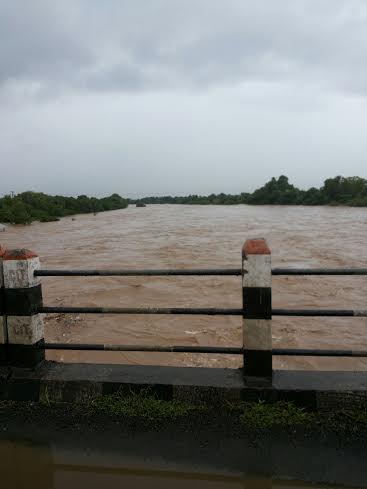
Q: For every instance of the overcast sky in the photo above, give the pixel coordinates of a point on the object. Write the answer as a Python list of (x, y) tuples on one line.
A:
[(146, 97)]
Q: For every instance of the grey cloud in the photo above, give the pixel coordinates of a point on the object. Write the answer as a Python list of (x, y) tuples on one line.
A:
[(125, 45), (37, 44), (180, 96)]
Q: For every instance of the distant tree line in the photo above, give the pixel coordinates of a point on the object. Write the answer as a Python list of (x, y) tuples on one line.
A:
[(35, 206), (351, 191)]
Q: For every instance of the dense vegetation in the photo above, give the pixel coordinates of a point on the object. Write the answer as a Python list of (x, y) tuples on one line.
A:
[(35, 206), (335, 191)]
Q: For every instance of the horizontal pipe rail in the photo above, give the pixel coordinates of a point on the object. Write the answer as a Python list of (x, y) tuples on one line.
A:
[(198, 349), (194, 272), (138, 273), (318, 353), (142, 348), (319, 271), (202, 311), (321, 312)]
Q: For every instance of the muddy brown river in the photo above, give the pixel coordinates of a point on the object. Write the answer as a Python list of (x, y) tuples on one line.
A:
[(54, 465), (177, 236)]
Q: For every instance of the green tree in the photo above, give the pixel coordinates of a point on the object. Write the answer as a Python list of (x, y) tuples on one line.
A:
[(20, 214)]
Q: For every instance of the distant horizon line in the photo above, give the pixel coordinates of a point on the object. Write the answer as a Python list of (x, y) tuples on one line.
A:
[(165, 194)]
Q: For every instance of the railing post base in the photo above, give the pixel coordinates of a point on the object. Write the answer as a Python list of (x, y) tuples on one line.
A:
[(258, 363), (25, 356)]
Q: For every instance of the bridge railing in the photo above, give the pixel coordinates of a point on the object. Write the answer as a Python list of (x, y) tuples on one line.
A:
[(22, 341)]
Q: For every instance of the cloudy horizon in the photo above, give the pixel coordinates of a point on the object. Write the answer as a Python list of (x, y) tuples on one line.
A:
[(180, 96)]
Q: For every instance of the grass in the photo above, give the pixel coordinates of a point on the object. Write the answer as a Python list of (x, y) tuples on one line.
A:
[(146, 408), (262, 415), (143, 405)]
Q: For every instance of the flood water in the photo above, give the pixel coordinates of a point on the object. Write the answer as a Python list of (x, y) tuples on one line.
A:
[(26, 465), (177, 236)]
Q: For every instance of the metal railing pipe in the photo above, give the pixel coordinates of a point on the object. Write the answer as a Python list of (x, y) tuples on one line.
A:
[(319, 271), (193, 272), (142, 348), (139, 273), (321, 312), (204, 311), (201, 311), (318, 353)]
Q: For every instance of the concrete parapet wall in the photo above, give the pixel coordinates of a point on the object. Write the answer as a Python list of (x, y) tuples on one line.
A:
[(55, 382)]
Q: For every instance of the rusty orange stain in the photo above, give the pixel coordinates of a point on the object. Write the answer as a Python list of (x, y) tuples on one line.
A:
[(257, 246), (18, 254)]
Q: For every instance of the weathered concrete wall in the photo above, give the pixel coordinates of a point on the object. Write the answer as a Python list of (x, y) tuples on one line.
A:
[(72, 382)]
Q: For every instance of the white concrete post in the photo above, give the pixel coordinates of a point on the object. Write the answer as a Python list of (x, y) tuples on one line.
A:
[(256, 288), (23, 297)]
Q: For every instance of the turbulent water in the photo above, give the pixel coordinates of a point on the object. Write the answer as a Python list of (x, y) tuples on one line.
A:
[(175, 236)]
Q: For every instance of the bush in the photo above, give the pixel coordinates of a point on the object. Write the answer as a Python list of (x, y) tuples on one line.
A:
[(36, 206), (278, 191)]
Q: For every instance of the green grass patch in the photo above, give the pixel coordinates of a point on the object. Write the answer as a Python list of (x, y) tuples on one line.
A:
[(147, 408), (263, 415), (141, 405)]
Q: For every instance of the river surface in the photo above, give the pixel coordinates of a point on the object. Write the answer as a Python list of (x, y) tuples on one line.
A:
[(178, 236), (28, 465)]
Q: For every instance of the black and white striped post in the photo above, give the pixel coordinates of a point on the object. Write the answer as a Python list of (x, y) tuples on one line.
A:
[(22, 300), (3, 331), (256, 293)]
